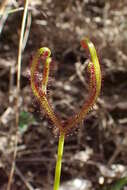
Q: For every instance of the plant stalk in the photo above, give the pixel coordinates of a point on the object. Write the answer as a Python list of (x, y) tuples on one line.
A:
[(59, 162)]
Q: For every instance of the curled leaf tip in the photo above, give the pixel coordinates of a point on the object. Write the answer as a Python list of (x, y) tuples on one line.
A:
[(44, 51)]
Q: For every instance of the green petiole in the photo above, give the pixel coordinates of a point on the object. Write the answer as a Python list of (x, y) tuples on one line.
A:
[(59, 162)]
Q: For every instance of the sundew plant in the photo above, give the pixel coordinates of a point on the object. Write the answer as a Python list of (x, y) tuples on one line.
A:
[(40, 92)]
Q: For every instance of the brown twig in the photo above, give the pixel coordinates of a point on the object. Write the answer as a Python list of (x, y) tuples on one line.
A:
[(19, 173)]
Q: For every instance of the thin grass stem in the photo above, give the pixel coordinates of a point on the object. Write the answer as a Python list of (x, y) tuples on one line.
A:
[(18, 90)]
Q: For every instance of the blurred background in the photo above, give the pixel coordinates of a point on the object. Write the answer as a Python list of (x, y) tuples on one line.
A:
[(95, 154)]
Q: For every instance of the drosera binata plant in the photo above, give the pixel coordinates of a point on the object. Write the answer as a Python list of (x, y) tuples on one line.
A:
[(40, 92)]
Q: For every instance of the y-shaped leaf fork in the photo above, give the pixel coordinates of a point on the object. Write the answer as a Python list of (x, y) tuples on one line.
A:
[(40, 91)]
